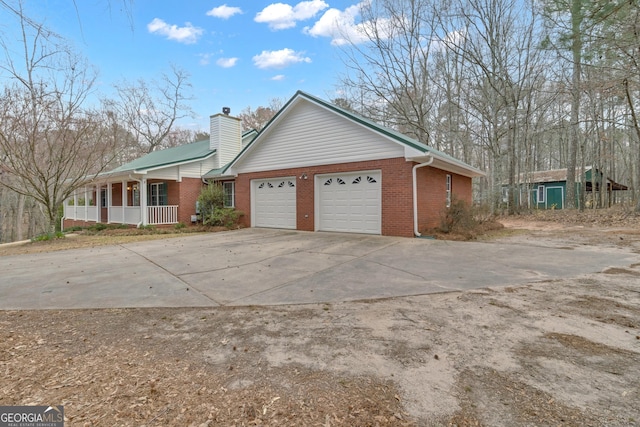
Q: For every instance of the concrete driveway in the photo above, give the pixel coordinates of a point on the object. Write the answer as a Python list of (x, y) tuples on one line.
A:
[(268, 267)]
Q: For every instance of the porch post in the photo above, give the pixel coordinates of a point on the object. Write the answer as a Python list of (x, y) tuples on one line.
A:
[(109, 190), (75, 204), (124, 201), (86, 202), (143, 201), (98, 203)]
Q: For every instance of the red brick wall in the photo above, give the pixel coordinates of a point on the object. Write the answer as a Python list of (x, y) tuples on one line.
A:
[(67, 223), (432, 194), (397, 205), (397, 193), (187, 194), (116, 194)]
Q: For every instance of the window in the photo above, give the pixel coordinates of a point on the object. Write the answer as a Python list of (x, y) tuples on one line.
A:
[(448, 190), (157, 194), (229, 194), (540, 193), (103, 198), (135, 195)]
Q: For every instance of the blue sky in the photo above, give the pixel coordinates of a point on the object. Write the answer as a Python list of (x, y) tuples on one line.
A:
[(238, 53)]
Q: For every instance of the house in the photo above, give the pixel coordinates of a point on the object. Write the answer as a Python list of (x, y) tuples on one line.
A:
[(314, 167), (159, 188), (548, 188)]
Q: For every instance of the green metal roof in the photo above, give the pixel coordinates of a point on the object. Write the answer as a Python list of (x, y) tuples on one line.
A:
[(390, 133), (167, 157)]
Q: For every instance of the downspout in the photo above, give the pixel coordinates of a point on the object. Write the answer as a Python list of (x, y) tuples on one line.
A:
[(415, 194), (139, 181)]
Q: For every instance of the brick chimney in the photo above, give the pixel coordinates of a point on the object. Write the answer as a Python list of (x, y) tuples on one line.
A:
[(226, 136)]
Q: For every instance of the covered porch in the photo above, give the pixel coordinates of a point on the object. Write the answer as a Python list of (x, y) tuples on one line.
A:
[(137, 203)]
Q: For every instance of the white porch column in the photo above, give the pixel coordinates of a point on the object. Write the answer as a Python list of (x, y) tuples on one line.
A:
[(109, 201), (75, 204), (143, 200), (98, 203), (124, 201), (86, 203)]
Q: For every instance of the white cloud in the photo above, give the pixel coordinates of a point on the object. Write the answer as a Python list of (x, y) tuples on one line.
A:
[(451, 40), (224, 11), (205, 58), (187, 34), (280, 16), (279, 58), (341, 26), (278, 78), (227, 62)]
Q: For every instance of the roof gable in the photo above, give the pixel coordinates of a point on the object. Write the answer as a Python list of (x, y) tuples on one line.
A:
[(401, 145)]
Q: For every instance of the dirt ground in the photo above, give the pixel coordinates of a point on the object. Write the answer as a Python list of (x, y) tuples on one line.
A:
[(560, 352)]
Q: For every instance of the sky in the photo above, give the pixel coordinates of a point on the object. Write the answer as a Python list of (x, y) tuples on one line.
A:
[(239, 53)]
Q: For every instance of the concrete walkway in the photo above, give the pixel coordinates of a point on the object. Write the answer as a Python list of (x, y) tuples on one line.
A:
[(268, 267)]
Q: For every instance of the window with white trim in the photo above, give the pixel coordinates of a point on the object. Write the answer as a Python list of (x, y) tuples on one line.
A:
[(448, 190), (103, 197), (540, 193), (135, 195), (157, 194), (229, 188)]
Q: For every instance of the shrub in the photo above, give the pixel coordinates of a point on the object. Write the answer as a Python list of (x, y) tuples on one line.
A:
[(180, 226), (48, 236), (97, 227), (210, 198), (461, 221), (457, 218), (225, 217)]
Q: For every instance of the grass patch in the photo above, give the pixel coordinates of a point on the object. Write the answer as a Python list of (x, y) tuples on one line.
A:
[(106, 234)]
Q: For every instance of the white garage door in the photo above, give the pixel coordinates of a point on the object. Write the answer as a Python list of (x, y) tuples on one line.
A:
[(274, 202), (349, 202)]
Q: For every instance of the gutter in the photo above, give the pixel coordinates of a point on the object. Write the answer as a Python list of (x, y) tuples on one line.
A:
[(415, 193)]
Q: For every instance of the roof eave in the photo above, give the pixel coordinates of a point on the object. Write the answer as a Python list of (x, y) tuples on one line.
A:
[(446, 165)]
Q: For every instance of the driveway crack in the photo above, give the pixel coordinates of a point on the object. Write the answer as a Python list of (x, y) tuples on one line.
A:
[(187, 285)]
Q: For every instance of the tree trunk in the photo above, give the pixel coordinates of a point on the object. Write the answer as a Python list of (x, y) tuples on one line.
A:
[(576, 48), (19, 219)]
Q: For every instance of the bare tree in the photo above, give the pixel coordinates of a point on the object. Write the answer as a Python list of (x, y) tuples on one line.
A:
[(49, 143), (17, 10), (150, 111), (390, 72), (258, 118)]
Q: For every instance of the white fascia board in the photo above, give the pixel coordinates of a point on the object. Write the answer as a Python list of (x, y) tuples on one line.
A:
[(447, 165), (170, 165), (410, 153)]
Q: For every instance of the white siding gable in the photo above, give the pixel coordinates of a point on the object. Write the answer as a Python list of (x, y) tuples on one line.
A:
[(310, 135), (195, 169)]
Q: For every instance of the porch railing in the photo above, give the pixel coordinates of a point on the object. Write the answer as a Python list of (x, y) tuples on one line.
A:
[(157, 215), (82, 213), (131, 214)]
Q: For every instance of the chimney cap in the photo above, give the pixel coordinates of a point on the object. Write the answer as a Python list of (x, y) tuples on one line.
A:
[(226, 110)]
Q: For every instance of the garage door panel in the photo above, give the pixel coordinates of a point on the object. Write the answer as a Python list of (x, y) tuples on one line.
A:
[(275, 203), (350, 202)]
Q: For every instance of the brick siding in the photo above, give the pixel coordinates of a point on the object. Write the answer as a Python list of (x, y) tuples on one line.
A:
[(397, 193)]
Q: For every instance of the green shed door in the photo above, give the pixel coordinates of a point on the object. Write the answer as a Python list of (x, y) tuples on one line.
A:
[(555, 198)]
